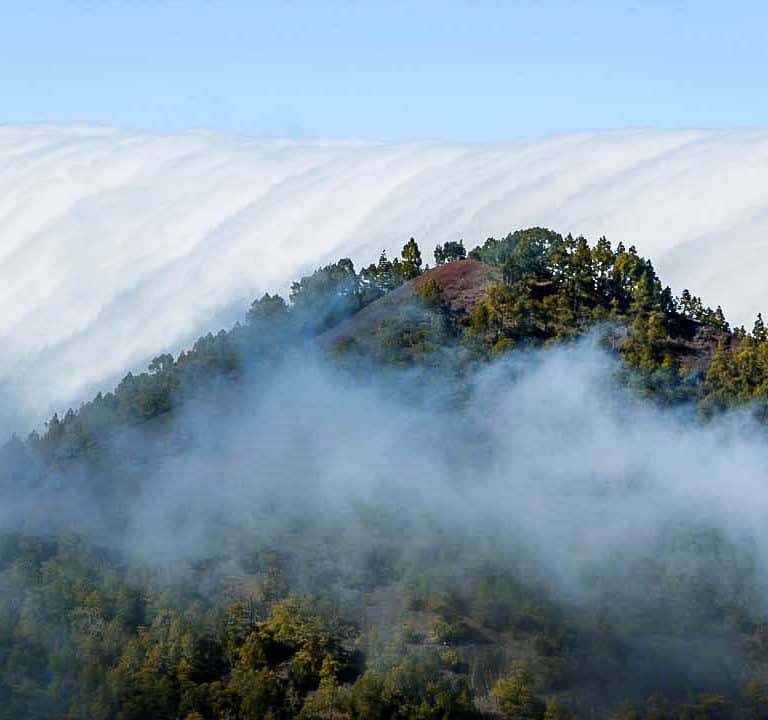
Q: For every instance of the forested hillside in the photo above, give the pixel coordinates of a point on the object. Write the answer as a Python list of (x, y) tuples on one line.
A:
[(405, 492)]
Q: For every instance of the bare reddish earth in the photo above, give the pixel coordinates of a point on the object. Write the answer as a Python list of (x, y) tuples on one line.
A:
[(462, 285), (462, 282)]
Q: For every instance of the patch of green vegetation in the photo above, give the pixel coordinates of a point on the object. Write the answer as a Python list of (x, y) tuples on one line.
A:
[(85, 633)]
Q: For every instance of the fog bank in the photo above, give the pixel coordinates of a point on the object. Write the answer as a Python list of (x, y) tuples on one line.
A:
[(116, 245)]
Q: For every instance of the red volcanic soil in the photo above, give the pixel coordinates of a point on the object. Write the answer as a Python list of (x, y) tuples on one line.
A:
[(462, 284)]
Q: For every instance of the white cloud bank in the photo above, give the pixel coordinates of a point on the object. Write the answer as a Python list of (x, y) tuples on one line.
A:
[(115, 245)]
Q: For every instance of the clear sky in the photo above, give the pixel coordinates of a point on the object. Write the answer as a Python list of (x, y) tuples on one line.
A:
[(469, 71)]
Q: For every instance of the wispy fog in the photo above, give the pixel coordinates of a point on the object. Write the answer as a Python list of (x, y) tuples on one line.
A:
[(538, 456)]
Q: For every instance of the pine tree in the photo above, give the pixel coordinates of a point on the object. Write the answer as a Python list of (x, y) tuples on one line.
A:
[(644, 296), (411, 260), (718, 319), (758, 331), (582, 275), (684, 303), (602, 262), (516, 698)]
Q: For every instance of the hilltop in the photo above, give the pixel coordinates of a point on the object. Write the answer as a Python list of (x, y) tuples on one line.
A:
[(532, 288), (286, 521), (462, 285)]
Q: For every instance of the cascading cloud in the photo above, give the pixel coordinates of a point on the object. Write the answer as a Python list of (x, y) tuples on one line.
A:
[(116, 245)]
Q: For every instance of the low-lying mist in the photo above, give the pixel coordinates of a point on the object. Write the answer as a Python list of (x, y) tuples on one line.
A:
[(539, 456)]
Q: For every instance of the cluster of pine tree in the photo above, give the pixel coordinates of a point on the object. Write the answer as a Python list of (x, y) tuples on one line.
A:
[(84, 634), (551, 288)]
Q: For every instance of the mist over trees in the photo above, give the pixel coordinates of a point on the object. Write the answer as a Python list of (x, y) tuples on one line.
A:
[(526, 483)]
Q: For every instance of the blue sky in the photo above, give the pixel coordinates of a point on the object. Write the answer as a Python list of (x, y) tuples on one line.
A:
[(479, 71)]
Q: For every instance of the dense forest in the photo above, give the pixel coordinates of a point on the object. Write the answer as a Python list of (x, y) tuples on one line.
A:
[(377, 611)]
